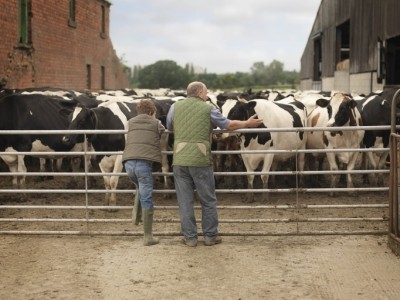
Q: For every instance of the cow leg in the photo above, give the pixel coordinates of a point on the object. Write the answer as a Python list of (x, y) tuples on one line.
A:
[(47, 164), (350, 167), (219, 161), (89, 169), (107, 185), (55, 166), (110, 164), (342, 177), (366, 157), (238, 167), (21, 169), (381, 165), (300, 166), (164, 162), (320, 168), (250, 179), (13, 167), (12, 163), (333, 167), (16, 164), (103, 165), (369, 163), (311, 166), (250, 195), (268, 162), (59, 162), (114, 180), (90, 160), (272, 179), (42, 168), (231, 163), (75, 166)]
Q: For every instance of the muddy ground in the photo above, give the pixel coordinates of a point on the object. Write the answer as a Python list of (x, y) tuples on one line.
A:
[(278, 265)]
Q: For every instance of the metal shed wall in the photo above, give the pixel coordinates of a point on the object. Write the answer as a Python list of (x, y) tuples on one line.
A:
[(369, 20)]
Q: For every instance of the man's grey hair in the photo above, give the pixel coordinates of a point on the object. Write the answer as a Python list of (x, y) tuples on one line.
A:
[(195, 88)]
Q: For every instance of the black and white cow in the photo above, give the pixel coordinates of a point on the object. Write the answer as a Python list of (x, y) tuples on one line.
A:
[(375, 110), (84, 99), (288, 114), (340, 110), (111, 115), (32, 112)]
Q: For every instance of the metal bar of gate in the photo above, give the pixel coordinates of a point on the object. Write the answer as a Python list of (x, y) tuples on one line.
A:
[(176, 233), (173, 220), (174, 207)]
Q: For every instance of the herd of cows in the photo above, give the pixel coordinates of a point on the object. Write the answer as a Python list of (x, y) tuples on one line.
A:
[(287, 113)]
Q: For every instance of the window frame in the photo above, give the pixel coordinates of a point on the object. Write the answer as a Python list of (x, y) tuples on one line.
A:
[(72, 14), (103, 33), (24, 38)]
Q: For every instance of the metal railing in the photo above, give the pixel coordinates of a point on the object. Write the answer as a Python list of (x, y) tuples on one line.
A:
[(297, 206)]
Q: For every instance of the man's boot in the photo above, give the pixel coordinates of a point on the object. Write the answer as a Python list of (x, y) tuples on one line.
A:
[(137, 209), (148, 239)]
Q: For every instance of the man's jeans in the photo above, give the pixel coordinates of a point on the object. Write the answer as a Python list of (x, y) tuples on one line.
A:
[(187, 179), (140, 172)]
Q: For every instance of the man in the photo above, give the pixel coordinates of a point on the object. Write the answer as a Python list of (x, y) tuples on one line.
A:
[(192, 121)]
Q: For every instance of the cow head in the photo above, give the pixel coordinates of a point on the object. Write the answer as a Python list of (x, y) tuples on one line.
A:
[(340, 110), (237, 110), (80, 119)]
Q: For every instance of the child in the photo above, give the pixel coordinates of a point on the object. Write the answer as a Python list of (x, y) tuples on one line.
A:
[(142, 148)]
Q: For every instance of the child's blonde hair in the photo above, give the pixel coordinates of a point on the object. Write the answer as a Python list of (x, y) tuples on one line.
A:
[(146, 106)]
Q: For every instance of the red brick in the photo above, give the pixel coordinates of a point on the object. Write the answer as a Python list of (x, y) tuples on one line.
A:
[(59, 53)]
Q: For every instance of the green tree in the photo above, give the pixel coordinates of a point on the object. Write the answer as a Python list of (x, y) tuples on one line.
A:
[(274, 73), (163, 74), (134, 82), (210, 80), (292, 78), (258, 73), (167, 73), (270, 75)]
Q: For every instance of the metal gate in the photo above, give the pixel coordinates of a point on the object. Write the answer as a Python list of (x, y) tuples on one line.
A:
[(394, 208), (80, 212)]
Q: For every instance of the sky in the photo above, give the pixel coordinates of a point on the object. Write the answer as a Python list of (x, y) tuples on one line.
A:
[(220, 36)]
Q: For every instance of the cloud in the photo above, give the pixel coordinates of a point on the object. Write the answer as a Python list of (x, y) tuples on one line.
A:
[(221, 36)]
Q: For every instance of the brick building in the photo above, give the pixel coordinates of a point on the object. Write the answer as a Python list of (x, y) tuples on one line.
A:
[(58, 43)]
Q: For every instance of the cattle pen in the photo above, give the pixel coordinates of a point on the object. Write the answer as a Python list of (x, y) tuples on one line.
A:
[(41, 209)]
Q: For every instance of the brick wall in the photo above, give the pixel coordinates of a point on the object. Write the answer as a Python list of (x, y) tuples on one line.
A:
[(59, 53)]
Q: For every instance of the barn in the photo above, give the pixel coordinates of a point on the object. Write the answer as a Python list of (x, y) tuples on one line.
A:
[(354, 45), (63, 44)]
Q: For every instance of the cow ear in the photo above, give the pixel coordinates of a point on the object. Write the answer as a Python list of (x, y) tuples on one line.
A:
[(91, 113), (92, 116), (322, 102), (251, 104), (353, 103)]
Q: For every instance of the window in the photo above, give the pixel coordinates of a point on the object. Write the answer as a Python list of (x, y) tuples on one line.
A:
[(393, 61), (380, 58), (103, 22), (72, 20), (103, 78), (317, 59), (343, 46), (24, 22), (88, 77)]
